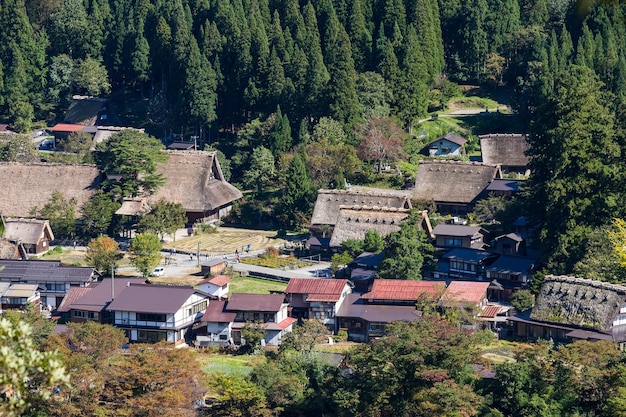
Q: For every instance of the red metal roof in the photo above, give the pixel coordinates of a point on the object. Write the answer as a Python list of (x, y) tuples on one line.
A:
[(466, 291), (66, 127), (490, 311), (73, 294), (287, 322), (400, 289), (316, 286), (219, 280), (323, 298)]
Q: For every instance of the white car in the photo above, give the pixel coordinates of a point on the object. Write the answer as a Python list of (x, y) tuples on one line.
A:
[(158, 271)]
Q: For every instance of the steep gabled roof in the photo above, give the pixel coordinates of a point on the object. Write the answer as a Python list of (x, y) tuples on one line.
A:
[(452, 138), (329, 202), (165, 299), (85, 110), (404, 290), (453, 181), (195, 180), (465, 292), (26, 185), (8, 250), (27, 231), (268, 303), (316, 289), (504, 149), (133, 207), (354, 221), (579, 302)]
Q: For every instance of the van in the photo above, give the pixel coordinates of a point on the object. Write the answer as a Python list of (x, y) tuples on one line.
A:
[(158, 271)]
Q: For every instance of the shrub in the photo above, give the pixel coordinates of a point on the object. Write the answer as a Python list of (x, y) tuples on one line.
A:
[(271, 252)]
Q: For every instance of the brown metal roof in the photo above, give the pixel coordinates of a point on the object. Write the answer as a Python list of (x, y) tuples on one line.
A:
[(97, 297), (152, 298), (269, 303), (219, 280), (44, 271), (216, 313), (355, 307), (490, 311), (403, 290)]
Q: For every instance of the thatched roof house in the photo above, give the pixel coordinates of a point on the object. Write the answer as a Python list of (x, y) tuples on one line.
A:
[(35, 235), (329, 202), (355, 221), (133, 207), (195, 180), (85, 110), (575, 308), (453, 185), (8, 250), (505, 149), (26, 185)]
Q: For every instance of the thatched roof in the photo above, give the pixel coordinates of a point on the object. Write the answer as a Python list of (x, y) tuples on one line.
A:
[(508, 150), (26, 185), (579, 302), (453, 181), (329, 201), (195, 180), (133, 207), (354, 221), (8, 250), (85, 110), (28, 231)]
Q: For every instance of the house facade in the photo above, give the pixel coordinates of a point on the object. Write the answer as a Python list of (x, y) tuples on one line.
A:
[(217, 286), (34, 236), (53, 279), (447, 145), (153, 313), (14, 296), (223, 320), (314, 298), (459, 236)]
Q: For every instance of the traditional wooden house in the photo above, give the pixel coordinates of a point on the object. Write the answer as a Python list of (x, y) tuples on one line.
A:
[(465, 293), (363, 270), (329, 202), (8, 250), (213, 266), (195, 180), (87, 111), (509, 244), (61, 131), (454, 186), (506, 150), (447, 145), (507, 275), (15, 296), (28, 185), (54, 279), (464, 263), (354, 221), (152, 313), (569, 308), (504, 187), (314, 298), (403, 292), (31, 234), (459, 236), (224, 320)]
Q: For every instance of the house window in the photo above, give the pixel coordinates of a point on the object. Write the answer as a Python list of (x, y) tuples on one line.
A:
[(150, 317), (223, 337), (449, 241), (91, 315), (14, 300), (55, 287), (150, 336)]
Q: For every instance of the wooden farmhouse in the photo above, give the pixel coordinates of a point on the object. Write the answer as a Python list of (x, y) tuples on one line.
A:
[(28, 185), (569, 308), (453, 186), (195, 180), (31, 235), (447, 145)]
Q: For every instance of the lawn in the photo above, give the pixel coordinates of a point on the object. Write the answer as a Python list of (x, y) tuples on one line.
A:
[(250, 285), (212, 363)]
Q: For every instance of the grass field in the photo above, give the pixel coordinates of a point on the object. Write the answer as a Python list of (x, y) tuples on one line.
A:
[(226, 240), (250, 285), (228, 364)]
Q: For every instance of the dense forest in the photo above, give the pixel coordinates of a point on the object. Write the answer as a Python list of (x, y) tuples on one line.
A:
[(293, 93)]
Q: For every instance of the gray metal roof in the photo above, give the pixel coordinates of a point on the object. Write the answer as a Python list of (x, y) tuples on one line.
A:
[(355, 307), (152, 298), (44, 271)]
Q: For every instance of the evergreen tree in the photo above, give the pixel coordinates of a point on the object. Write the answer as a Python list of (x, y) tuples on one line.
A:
[(576, 165), (296, 199), (360, 37), (280, 134)]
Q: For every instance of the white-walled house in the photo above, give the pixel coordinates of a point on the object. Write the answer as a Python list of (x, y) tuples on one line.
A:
[(216, 286), (152, 313), (223, 320)]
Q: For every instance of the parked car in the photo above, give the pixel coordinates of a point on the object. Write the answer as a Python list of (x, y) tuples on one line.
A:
[(158, 271)]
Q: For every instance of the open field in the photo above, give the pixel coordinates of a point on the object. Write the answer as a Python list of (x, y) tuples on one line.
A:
[(225, 240), (212, 363), (250, 285)]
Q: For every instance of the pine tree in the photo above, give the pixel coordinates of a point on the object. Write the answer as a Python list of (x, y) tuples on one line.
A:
[(280, 134), (360, 37), (297, 196)]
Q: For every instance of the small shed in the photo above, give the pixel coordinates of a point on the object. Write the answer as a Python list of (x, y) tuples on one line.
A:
[(213, 266)]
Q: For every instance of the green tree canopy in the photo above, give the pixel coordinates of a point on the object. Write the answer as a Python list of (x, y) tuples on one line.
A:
[(145, 252), (165, 218), (103, 253), (60, 212), (134, 156)]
